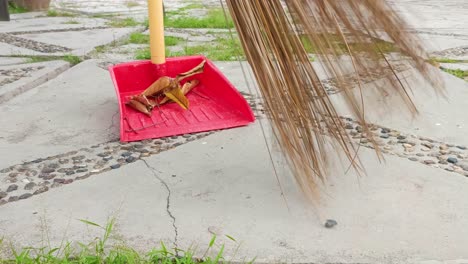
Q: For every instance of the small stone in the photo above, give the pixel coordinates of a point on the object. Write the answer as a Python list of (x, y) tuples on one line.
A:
[(427, 145), (385, 130), (443, 147), (95, 171), (25, 196), (330, 223), (450, 145), (63, 161), (385, 136), (452, 160), (59, 180), (409, 149), (402, 141), (13, 174), (443, 152), (401, 137), (63, 170), (41, 190), (77, 158), (89, 161), (2, 202), (353, 133), (115, 166), (104, 154), (349, 126), (47, 170), (144, 155), (392, 142), (38, 160), (143, 150), (126, 154), (30, 186), (6, 170), (425, 149), (444, 162), (47, 176), (413, 158), (80, 166), (3, 195), (359, 129), (107, 158), (68, 181), (53, 165), (419, 154), (449, 169), (81, 170), (130, 159), (429, 162), (139, 146), (12, 187), (407, 145), (461, 147), (388, 148), (13, 198), (69, 173), (55, 184)]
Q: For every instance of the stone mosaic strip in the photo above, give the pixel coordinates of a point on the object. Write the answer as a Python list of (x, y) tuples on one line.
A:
[(455, 52), (31, 44), (55, 30), (436, 154), (13, 75), (24, 180)]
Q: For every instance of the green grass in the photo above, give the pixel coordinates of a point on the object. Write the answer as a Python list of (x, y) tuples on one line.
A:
[(15, 9), (55, 13), (126, 22), (338, 45), (457, 72), (140, 38), (214, 19), (447, 60), (71, 22), (222, 49), (72, 59), (131, 4), (107, 249)]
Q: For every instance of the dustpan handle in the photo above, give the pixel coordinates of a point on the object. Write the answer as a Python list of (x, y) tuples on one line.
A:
[(156, 31)]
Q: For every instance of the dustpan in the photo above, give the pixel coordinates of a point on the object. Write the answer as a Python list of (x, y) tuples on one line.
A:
[(214, 103)]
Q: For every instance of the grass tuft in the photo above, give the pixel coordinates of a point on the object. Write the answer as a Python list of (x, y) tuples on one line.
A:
[(72, 59), (16, 9), (55, 13), (457, 72), (103, 249), (126, 22), (214, 19)]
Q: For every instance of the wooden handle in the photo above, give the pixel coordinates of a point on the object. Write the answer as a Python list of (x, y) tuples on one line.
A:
[(156, 31)]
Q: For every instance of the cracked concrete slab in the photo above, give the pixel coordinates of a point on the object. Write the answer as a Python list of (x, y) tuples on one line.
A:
[(227, 186)]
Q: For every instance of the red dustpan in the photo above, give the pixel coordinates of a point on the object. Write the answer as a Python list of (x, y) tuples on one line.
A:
[(214, 102)]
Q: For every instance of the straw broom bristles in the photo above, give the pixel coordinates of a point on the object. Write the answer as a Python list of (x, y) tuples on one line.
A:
[(273, 35)]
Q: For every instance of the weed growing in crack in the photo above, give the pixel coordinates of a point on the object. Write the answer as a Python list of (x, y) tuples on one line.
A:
[(103, 250)]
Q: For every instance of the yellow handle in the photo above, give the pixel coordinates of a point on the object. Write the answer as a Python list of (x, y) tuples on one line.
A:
[(156, 29)]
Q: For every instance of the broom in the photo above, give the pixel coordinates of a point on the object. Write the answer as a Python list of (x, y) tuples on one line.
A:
[(277, 37)]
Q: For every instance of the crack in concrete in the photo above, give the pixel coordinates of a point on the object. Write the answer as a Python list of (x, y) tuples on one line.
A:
[(168, 203)]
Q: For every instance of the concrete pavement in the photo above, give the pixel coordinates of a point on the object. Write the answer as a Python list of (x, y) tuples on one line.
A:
[(62, 161)]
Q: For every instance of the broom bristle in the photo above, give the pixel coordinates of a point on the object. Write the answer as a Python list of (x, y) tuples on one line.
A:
[(277, 37)]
